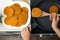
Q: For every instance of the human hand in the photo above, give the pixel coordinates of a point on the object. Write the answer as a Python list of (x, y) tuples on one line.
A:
[(55, 19), (25, 33)]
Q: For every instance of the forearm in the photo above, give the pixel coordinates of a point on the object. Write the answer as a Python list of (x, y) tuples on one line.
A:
[(57, 30), (27, 39)]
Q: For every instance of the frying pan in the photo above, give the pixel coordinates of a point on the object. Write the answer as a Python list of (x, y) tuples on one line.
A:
[(44, 23)]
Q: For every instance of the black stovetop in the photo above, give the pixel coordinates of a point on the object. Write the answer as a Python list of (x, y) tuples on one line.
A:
[(35, 28)]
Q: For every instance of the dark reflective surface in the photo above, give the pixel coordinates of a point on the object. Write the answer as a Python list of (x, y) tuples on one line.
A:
[(43, 23)]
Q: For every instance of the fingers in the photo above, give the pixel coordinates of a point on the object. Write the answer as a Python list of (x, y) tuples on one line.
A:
[(51, 16), (54, 17), (29, 29), (26, 29)]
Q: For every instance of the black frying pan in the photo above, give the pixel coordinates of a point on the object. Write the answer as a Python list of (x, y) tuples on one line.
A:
[(43, 22)]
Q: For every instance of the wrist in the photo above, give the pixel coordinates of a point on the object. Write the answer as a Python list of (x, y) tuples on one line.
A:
[(55, 28)]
